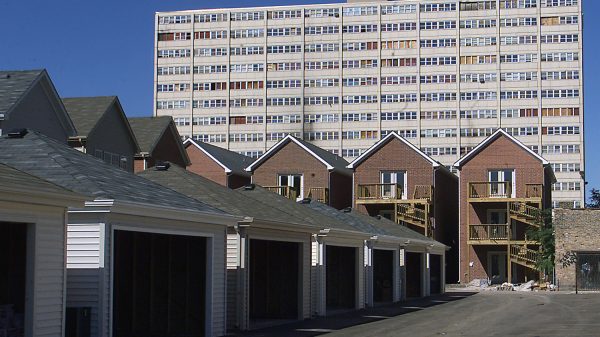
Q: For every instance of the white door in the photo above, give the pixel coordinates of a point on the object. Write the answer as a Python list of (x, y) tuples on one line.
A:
[(498, 188), (392, 178), (295, 182)]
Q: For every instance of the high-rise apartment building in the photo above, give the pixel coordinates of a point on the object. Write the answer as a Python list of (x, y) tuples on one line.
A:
[(443, 74)]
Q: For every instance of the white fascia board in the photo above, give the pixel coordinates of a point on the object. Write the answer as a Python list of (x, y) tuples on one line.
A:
[(191, 141)]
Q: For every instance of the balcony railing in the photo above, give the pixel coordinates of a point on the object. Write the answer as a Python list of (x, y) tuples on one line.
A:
[(320, 194), (490, 189), (525, 254), (412, 213), (525, 211), (488, 232), (379, 191), (286, 191), (423, 192), (533, 190)]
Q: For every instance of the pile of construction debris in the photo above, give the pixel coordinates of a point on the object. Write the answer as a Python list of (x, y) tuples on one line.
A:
[(485, 285)]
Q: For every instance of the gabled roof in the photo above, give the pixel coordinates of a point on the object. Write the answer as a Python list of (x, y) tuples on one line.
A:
[(231, 162), (61, 165), (498, 133), (86, 112), (332, 161), (150, 130), (14, 86), (384, 141)]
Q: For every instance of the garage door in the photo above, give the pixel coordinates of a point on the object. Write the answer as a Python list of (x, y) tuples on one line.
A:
[(588, 271)]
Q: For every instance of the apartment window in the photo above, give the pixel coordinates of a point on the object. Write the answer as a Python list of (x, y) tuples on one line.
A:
[(398, 116), (560, 130), (284, 66), (174, 87), (399, 44), (321, 65), (173, 53), (210, 86), (397, 98), (321, 82), (477, 41), (359, 117), (175, 70), (478, 59), (360, 134), (210, 69), (358, 46), (256, 119), (519, 76), (321, 135), (280, 84), (181, 121), (477, 23), (250, 50), (284, 14), (398, 27), (284, 101), (359, 11), (438, 61), (179, 36), (210, 35), (398, 80), (442, 114), (567, 186), (210, 138), (439, 151), (566, 167), (558, 3), (252, 153), (435, 25), (438, 96), (439, 7), (247, 16), (247, 33), (204, 52), (517, 40), (246, 68), (518, 58), (321, 118), (560, 148), (560, 112), (399, 62), (478, 77), (477, 5), (443, 78), (172, 105), (246, 85), (322, 12), (220, 120), (287, 31), (321, 100), (438, 43), (277, 136), (364, 28), (321, 30), (509, 4), (245, 102), (246, 137), (407, 133), (560, 93), (560, 57), (284, 119), (174, 19), (281, 49), (351, 153), (518, 94), (359, 81), (516, 113), (355, 64), (359, 99), (476, 132), (209, 103), (522, 131), (560, 75), (321, 47), (518, 22), (438, 133), (217, 17), (478, 114), (398, 9)]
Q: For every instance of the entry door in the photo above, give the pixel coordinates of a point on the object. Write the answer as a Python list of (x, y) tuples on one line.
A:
[(393, 177), (294, 181), (497, 217), (497, 189), (497, 267)]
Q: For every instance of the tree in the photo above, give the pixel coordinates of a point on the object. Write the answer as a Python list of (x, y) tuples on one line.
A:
[(544, 234), (594, 199)]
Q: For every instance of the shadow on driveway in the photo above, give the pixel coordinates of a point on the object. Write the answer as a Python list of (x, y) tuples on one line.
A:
[(323, 325)]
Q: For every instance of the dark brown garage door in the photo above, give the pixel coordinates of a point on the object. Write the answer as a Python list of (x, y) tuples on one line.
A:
[(588, 271)]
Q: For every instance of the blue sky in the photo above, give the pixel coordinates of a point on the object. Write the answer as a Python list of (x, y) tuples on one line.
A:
[(94, 48)]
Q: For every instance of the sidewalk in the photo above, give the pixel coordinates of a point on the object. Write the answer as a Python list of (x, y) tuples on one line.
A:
[(322, 325)]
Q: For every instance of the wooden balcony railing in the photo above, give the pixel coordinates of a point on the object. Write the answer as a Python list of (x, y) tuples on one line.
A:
[(379, 191), (523, 210), (533, 190), (488, 232), (286, 191), (423, 192), (320, 194), (525, 254), (490, 189), (409, 212)]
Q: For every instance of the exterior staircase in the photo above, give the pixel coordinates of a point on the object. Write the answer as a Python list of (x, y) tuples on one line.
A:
[(415, 216), (524, 256), (527, 214)]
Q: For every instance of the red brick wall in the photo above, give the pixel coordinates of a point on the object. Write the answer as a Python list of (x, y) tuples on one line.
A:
[(395, 156), (500, 154), (203, 165), (292, 159), (138, 165)]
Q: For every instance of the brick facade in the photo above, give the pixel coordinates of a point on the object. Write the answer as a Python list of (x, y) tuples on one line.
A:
[(203, 165), (575, 230), (166, 149), (501, 153)]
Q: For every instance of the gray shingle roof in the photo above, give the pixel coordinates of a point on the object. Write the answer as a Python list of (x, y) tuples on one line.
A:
[(13, 84), (14, 179), (47, 159), (234, 161), (215, 195), (148, 130), (85, 112), (338, 163)]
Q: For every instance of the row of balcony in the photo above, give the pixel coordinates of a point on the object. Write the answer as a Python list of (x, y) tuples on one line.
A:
[(392, 191), (320, 194), (502, 190)]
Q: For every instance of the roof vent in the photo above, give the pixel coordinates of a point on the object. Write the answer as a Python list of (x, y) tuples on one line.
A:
[(17, 133), (162, 165), (305, 201), (347, 210), (249, 187), (378, 216)]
